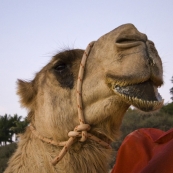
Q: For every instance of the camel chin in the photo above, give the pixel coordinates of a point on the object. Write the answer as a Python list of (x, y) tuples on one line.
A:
[(143, 96)]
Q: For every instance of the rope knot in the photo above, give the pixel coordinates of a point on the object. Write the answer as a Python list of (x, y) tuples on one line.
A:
[(80, 131)]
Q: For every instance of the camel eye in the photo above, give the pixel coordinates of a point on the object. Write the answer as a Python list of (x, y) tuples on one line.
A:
[(60, 67), (63, 74)]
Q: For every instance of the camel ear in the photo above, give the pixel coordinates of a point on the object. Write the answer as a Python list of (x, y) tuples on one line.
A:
[(26, 92)]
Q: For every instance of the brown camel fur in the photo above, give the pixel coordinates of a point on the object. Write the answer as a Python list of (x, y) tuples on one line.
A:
[(122, 69)]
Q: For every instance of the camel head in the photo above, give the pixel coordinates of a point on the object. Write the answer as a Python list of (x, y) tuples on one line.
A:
[(122, 69)]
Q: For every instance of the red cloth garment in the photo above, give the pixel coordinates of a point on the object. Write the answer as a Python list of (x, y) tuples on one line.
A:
[(146, 150)]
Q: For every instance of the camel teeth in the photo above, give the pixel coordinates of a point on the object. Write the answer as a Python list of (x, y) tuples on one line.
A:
[(141, 103), (144, 102), (149, 103), (156, 103), (136, 99)]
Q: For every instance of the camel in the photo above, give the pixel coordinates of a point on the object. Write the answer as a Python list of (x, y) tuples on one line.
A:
[(123, 68)]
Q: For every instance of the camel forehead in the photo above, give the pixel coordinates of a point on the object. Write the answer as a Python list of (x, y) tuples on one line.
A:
[(66, 56), (70, 58)]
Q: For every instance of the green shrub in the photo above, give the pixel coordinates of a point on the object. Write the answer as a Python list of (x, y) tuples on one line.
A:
[(168, 108), (5, 154)]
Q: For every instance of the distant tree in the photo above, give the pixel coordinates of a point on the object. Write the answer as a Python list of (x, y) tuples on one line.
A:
[(13, 120), (5, 132), (171, 90), (167, 108), (10, 126), (19, 126)]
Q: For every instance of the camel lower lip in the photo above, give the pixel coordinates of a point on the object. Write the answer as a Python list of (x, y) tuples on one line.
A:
[(144, 96)]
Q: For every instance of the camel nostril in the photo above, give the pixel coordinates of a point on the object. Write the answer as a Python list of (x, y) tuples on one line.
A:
[(128, 36), (125, 40), (126, 43)]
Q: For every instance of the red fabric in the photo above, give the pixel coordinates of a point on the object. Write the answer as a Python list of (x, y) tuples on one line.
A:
[(146, 151)]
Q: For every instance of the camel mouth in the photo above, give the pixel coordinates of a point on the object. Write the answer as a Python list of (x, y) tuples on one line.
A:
[(143, 96)]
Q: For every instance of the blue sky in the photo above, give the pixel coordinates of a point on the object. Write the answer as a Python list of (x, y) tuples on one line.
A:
[(33, 31)]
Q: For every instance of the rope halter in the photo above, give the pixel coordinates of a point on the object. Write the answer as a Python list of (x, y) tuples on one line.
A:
[(80, 131)]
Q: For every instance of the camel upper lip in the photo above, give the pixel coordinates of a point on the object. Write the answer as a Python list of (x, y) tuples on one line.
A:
[(144, 95)]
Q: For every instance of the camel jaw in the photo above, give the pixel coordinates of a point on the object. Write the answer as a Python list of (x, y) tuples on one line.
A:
[(143, 96)]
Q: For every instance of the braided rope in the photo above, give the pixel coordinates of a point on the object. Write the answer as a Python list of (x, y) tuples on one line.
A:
[(82, 129), (79, 91)]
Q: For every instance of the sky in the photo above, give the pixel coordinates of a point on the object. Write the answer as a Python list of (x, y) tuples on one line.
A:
[(31, 32)]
